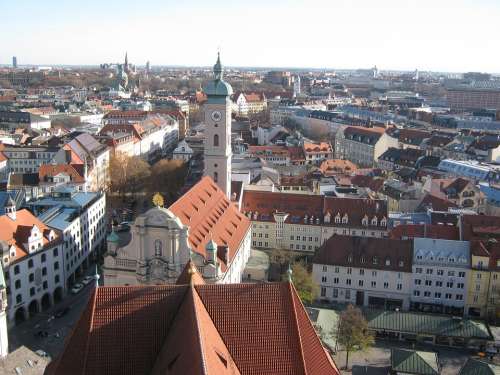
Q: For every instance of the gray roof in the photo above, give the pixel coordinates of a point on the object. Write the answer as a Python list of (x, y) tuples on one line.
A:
[(478, 367), (426, 324), (414, 362)]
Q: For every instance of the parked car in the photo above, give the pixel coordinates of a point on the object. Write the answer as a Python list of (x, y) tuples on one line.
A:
[(76, 288), (41, 353), (87, 280), (61, 312)]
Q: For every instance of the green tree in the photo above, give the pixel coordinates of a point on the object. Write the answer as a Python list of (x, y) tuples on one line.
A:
[(352, 332), (304, 283), (127, 173)]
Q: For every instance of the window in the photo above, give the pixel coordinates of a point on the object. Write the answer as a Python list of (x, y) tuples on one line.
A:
[(348, 281), (335, 280), (437, 295), (31, 277), (428, 271), (44, 271), (325, 268), (55, 252), (386, 285), (375, 260), (451, 273), (45, 285), (323, 279), (418, 270), (447, 296), (361, 272), (478, 287), (349, 271), (335, 293), (440, 272), (374, 284), (427, 293), (216, 177), (56, 265), (19, 298), (461, 274), (478, 275), (387, 262), (323, 292), (374, 273), (399, 287), (30, 263), (347, 294), (56, 279), (459, 297), (216, 140), (418, 281), (32, 291), (158, 248), (17, 284), (360, 282), (337, 270), (416, 293), (428, 282), (44, 258), (439, 283), (449, 284)]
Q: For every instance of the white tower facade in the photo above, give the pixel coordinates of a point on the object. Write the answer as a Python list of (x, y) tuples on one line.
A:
[(217, 112), (296, 86)]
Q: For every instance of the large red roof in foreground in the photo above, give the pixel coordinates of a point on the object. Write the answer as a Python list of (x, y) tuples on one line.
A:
[(194, 329)]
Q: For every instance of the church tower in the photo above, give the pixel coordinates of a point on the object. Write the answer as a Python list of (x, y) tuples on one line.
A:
[(217, 112)]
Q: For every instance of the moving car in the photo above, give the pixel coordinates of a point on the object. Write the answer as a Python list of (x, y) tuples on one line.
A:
[(76, 288)]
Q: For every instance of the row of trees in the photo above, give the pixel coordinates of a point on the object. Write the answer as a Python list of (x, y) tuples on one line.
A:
[(132, 174)]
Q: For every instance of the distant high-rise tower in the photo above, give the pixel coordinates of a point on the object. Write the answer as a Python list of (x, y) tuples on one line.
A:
[(217, 110), (125, 65), (148, 67), (14, 62), (296, 86), (375, 71), (416, 75)]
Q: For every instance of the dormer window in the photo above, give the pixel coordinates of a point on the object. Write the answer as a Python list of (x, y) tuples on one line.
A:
[(388, 262), (419, 257), (375, 260), (363, 259), (374, 221), (337, 219), (345, 219), (364, 221), (327, 218), (401, 263), (383, 222), (451, 260), (349, 258)]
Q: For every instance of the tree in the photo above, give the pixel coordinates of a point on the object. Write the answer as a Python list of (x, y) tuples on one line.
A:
[(158, 200), (168, 176), (127, 173), (352, 333), (304, 283)]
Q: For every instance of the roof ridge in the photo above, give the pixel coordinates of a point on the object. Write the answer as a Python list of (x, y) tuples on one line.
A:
[(190, 294), (426, 364), (291, 288), (94, 298)]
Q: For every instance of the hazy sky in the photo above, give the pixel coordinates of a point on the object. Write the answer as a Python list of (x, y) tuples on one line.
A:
[(439, 35)]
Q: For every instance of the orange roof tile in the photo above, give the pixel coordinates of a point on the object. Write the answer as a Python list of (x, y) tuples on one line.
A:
[(16, 232), (50, 170), (210, 215)]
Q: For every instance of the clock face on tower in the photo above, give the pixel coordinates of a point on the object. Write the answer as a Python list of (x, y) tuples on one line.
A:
[(216, 116)]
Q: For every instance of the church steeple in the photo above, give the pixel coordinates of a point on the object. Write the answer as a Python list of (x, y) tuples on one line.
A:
[(218, 69)]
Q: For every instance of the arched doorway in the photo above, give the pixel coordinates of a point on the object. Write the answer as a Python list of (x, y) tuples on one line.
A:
[(19, 315), (45, 301), (58, 294), (33, 308)]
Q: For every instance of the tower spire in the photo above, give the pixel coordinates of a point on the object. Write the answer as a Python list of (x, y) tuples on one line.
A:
[(218, 68)]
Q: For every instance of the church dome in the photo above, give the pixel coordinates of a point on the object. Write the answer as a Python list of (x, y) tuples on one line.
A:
[(113, 237), (218, 87)]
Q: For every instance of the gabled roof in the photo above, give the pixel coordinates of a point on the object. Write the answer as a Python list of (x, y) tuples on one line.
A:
[(414, 362), (248, 329), (437, 204), (477, 367), (210, 215), (16, 232), (444, 232), (51, 170)]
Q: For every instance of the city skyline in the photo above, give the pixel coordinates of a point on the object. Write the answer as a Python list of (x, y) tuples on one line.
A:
[(429, 37)]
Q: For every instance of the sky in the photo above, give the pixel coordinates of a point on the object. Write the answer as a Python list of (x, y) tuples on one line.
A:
[(437, 35)]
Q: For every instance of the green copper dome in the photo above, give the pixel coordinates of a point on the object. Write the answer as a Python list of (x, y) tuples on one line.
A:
[(113, 237), (218, 87)]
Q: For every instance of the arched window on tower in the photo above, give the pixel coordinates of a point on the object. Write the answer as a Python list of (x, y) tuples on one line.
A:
[(216, 176), (216, 140), (158, 248)]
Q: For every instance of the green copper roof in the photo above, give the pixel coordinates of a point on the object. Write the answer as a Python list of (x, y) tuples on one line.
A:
[(211, 245), (113, 237), (477, 367), (414, 362), (218, 87)]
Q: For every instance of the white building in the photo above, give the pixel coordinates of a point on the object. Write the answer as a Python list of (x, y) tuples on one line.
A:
[(217, 143), (32, 259), (203, 225), (81, 219), (365, 272), (440, 275), (182, 152)]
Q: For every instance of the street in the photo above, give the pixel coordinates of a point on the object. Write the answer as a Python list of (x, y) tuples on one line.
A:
[(57, 328)]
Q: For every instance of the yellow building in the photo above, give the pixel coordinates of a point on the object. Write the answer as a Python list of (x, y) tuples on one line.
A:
[(493, 305), (479, 280)]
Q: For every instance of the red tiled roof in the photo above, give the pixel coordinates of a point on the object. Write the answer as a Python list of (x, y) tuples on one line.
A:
[(321, 147), (51, 170), (210, 215), (374, 184), (474, 226), (366, 252), (251, 329), (337, 165), (16, 232), (444, 232), (437, 204), (126, 114)]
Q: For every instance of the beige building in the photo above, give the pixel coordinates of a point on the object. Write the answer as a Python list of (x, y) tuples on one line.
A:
[(362, 145), (479, 280), (301, 222)]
